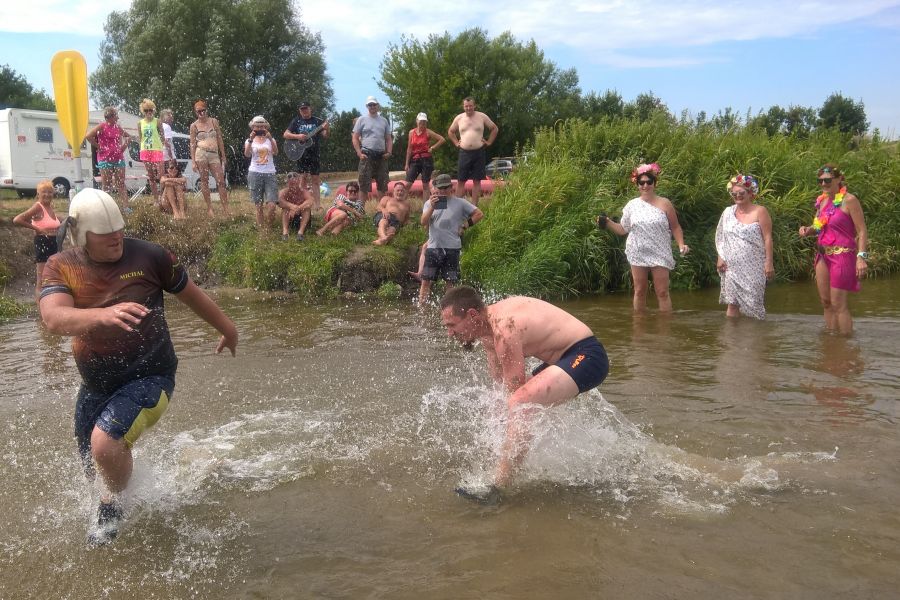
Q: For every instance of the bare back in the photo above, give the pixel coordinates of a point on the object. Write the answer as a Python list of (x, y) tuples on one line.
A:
[(543, 330)]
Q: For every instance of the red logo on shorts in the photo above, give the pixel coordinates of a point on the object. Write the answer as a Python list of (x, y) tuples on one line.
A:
[(577, 360)]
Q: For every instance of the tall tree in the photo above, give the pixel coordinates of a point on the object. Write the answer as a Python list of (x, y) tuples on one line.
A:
[(16, 92), (610, 104), (511, 82), (645, 106), (844, 114), (337, 153), (245, 57)]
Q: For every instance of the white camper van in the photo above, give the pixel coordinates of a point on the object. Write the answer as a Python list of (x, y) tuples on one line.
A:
[(33, 148)]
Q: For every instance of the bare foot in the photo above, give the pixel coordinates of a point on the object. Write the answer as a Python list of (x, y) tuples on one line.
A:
[(320, 232), (414, 275)]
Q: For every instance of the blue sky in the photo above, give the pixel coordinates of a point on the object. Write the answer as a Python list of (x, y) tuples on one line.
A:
[(695, 55)]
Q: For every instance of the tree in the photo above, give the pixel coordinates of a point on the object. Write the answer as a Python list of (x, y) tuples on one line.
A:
[(16, 92), (645, 106), (844, 114), (610, 105), (245, 57), (337, 154), (511, 82)]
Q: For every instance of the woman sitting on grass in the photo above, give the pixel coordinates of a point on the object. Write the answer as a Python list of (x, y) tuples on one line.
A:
[(345, 212)]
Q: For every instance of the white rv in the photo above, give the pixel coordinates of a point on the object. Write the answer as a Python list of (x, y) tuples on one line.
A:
[(33, 148)]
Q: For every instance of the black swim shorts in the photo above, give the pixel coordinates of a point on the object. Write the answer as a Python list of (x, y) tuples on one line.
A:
[(471, 165), (585, 362), (44, 247), (393, 221), (441, 263)]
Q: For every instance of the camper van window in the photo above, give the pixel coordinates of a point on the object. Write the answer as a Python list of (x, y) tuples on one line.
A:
[(182, 148), (45, 134)]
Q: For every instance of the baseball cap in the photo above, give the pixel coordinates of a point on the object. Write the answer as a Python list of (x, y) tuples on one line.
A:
[(371, 100), (421, 117), (304, 104), (442, 181), (95, 211)]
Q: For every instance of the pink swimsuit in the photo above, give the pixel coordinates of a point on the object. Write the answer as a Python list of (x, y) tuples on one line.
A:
[(839, 232)]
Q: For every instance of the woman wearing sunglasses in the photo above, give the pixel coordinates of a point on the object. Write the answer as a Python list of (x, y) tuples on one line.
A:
[(744, 249), (151, 133), (208, 154), (841, 246), (650, 222)]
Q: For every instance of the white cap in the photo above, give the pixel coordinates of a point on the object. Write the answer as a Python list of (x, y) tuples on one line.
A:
[(95, 211), (421, 117), (371, 100)]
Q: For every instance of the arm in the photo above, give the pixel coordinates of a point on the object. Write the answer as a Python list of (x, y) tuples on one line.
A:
[(408, 150), (721, 265), (221, 139), (193, 141), (247, 151), (765, 224), (427, 210), (453, 132), (62, 317), (439, 140), (91, 136), (23, 219), (326, 129), (357, 144), (675, 226), (289, 135), (854, 208), (616, 228), (388, 143), (476, 216), (204, 307), (494, 130), (512, 357), (274, 144)]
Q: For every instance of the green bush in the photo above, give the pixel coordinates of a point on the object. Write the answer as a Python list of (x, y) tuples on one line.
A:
[(538, 236), (10, 308)]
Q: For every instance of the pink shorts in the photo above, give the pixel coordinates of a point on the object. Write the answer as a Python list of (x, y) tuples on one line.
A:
[(330, 213), (841, 270), (154, 156)]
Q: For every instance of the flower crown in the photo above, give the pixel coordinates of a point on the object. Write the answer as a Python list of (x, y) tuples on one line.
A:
[(745, 181), (645, 168)]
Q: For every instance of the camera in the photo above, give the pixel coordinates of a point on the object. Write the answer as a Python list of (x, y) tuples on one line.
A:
[(259, 133)]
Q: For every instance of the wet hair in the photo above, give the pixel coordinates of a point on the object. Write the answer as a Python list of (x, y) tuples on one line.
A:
[(830, 168), (110, 111), (147, 103), (45, 185), (469, 99), (461, 298)]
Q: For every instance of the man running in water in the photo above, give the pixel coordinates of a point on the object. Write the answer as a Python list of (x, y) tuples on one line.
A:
[(574, 361)]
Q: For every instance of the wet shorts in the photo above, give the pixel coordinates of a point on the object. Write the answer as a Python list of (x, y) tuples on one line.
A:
[(110, 164), (393, 221), (125, 413), (585, 362), (44, 247), (153, 156), (441, 263), (471, 164)]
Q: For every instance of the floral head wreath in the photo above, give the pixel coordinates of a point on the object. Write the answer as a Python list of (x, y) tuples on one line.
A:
[(641, 169), (747, 182)]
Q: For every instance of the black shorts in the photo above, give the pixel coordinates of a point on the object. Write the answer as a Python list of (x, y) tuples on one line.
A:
[(393, 221), (441, 263), (309, 163), (420, 166), (44, 247), (471, 165), (585, 362), (296, 221)]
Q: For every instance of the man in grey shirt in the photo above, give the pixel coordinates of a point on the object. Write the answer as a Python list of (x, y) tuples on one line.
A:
[(373, 144), (444, 216)]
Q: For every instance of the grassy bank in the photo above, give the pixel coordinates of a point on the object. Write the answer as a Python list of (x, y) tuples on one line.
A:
[(538, 236)]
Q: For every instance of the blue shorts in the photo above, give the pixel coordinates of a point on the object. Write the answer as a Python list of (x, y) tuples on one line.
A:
[(585, 362), (441, 263), (126, 413)]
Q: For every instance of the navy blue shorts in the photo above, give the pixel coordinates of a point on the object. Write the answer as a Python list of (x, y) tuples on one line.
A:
[(585, 362), (126, 413), (471, 164), (441, 263), (423, 166), (393, 221)]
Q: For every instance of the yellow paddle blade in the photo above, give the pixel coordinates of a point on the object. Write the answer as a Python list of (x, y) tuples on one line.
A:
[(70, 92)]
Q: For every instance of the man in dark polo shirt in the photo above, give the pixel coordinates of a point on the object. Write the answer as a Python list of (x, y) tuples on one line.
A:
[(107, 293)]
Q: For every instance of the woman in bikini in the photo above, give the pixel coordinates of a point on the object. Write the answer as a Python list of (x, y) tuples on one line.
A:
[(208, 154)]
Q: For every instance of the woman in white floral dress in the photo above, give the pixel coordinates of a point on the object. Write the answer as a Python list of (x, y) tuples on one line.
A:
[(744, 246), (650, 222)]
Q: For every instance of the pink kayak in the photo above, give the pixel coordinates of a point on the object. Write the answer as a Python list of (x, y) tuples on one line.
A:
[(487, 187)]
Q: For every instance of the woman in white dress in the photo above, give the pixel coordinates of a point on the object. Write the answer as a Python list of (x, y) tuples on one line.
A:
[(650, 222), (744, 246)]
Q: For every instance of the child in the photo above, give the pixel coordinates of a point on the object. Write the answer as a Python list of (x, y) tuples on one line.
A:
[(41, 218), (173, 190)]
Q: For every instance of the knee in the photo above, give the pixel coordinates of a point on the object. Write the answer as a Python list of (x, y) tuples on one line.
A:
[(662, 293), (826, 302)]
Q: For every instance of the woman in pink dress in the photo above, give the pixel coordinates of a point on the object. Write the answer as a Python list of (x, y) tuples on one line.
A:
[(840, 248), (111, 141)]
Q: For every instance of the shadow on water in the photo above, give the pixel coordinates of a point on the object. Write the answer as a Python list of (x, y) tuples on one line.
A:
[(321, 461)]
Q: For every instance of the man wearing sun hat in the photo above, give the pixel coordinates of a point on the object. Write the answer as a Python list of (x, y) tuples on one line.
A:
[(374, 144), (107, 293)]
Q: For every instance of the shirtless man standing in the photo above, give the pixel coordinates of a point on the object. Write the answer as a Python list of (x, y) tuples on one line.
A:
[(393, 213), (467, 133), (574, 361)]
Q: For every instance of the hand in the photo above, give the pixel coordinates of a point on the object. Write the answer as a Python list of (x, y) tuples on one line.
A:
[(862, 267), (804, 230), (229, 341), (124, 315), (721, 267), (194, 166), (302, 137), (386, 155), (601, 221), (361, 155), (684, 249), (770, 271)]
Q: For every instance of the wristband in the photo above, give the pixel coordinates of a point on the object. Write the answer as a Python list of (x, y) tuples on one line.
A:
[(863, 255)]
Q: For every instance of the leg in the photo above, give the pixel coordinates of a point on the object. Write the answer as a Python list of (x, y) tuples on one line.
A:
[(418, 274), (639, 281), (119, 181), (106, 180), (113, 459), (305, 216), (460, 188), (550, 387), (424, 292), (179, 202), (152, 177), (382, 233), (285, 221), (476, 191), (219, 174), (203, 170), (661, 288), (823, 285), (365, 179), (733, 310), (337, 222), (317, 193), (841, 310), (39, 273)]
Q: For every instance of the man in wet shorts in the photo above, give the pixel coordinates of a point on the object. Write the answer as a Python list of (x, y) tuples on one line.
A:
[(511, 330), (107, 293)]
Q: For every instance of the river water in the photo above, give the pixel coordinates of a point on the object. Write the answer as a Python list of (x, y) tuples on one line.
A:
[(721, 459)]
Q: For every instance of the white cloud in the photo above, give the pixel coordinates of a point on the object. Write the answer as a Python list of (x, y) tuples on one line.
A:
[(80, 17)]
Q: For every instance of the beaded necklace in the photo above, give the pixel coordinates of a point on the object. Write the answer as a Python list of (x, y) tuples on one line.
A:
[(824, 216)]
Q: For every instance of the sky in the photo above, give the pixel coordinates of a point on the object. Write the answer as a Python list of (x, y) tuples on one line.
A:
[(694, 55)]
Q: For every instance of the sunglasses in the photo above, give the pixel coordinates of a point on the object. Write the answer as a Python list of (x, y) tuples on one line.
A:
[(148, 111), (738, 194), (200, 111), (825, 180), (352, 191), (645, 182)]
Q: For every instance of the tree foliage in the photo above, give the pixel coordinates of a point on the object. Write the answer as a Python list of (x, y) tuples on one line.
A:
[(337, 154), (16, 92), (245, 57), (843, 114), (511, 82)]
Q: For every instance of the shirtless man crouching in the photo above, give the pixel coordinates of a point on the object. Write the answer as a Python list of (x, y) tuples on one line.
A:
[(467, 133), (393, 213), (574, 361)]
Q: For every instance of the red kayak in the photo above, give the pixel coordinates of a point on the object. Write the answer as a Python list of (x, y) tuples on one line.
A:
[(487, 187)]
